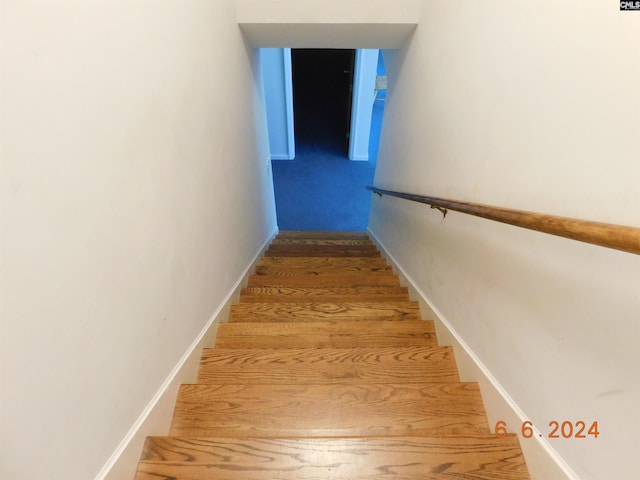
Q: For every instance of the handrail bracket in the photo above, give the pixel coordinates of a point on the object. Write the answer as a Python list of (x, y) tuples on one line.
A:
[(442, 210)]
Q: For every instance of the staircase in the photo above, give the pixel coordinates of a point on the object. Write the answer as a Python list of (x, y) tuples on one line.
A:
[(326, 370)]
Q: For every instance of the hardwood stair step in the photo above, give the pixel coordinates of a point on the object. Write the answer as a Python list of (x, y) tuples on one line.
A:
[(326, 370), (324, 270), (468, 457), (322, 251), (321, 241), (325, 235), (309, 312), (339, 280), (331, 366), (410, 409), (323, 294), (313, 262), (326, 334)]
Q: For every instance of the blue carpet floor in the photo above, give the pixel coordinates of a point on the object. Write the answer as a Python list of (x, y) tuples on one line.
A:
[(321, 189)]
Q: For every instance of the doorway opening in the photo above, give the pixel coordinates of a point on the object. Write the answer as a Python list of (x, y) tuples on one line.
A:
[(322, 98), (320, 188)]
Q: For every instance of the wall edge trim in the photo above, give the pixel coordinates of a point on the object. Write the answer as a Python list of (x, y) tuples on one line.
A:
[(288, 99)]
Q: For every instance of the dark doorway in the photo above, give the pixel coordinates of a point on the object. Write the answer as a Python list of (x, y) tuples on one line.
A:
[(322, 90)]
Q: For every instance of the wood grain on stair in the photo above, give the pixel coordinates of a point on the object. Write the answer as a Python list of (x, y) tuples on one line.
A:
[(323, 241), (277, 411), (322, 251), (367, 293), (325, 371), (342, 280), (464, 457), (317, 271), (323, 294), (313, 262), (309, 312), (331, 366), (326, 334)]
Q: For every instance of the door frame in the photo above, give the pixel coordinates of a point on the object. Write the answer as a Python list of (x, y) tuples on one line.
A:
[(282, 127), (364, 84)]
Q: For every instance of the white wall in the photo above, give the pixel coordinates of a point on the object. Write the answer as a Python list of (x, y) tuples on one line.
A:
[(328, 23), (135, 191), (532, 105)]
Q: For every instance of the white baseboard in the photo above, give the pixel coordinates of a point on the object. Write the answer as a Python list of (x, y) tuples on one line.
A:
[(156, 417), (543, 461)]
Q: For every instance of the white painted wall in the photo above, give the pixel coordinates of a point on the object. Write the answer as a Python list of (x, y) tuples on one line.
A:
[(328, 23), (135, 192), (532, 105)]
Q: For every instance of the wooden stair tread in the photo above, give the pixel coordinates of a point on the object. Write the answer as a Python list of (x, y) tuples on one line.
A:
[(326, 334), (308, 312), (322, 270), (298, 250), (415, 409), (321, 241), (346, 365), (468, 457), (314, 262), (337, 280), (326, 235), (326, 370), (323, 294)]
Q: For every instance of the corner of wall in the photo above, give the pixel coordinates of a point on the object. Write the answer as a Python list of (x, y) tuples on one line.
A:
[(543, 462), (156, 417)]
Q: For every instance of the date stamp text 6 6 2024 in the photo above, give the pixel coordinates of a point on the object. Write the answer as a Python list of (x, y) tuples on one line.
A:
[(565, 429)]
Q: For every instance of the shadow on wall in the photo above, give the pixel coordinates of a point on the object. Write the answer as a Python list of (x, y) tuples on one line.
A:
[(321, 189)]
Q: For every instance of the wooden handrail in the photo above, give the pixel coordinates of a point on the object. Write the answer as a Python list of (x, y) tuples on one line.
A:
[(619, 237)]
